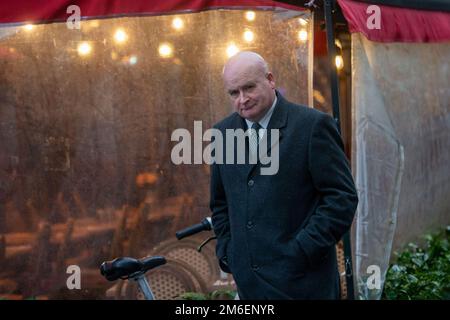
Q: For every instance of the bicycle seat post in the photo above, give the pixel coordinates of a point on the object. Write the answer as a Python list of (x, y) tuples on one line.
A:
[(145, 287)]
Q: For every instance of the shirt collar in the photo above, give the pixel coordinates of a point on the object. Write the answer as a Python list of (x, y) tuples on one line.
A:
[(264, 122)]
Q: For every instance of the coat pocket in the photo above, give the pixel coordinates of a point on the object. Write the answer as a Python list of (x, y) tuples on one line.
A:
[(297, 258)]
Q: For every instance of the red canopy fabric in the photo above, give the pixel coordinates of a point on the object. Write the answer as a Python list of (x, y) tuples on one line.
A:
[(38, 11), (398, 24)]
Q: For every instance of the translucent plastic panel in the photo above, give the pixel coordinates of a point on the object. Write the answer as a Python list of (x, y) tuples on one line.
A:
[(402, 136), (86, 118)]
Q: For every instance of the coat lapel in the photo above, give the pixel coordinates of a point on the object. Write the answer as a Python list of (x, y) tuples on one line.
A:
[(239, 123), (277, 121)]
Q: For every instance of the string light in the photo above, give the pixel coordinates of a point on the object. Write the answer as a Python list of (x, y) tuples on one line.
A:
[(250, 15), (249, 36), (84, 49), (339, 62), (165, 50), (28, 27), (302, 22), (303, 35), (120, 36), (177, 23), (232, 49), (133, 60)]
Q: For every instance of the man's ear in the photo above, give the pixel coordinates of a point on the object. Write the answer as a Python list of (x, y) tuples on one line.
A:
[(271, 79)]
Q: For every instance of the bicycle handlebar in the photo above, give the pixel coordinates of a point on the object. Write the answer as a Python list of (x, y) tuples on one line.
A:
[(205, 225)]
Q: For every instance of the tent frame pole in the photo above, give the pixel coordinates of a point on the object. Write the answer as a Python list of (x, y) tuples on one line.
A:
[(328, 7)]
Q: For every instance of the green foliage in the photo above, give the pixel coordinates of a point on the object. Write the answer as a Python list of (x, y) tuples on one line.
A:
[(215, 295), (222, 295), (193, 296), (421, 273)]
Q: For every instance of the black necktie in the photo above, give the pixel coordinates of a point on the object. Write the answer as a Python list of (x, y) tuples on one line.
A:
[(254, 138)]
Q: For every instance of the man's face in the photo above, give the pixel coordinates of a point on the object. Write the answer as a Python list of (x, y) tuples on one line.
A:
[(251, 91)]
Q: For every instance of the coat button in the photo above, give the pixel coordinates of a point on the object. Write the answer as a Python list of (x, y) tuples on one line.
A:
[(251, 183), (255, 267), (250, 225)]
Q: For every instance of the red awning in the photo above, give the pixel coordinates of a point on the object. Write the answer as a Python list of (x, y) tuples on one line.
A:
[(398, 24), (38, 11)]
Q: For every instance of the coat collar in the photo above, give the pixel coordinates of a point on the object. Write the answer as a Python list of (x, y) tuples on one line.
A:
[(279, 116)]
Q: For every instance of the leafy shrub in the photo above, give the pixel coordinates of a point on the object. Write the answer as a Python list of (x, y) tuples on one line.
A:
[(215, 295), (421, 273)]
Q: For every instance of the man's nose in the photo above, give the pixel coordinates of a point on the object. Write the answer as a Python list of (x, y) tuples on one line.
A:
[(242, 97)]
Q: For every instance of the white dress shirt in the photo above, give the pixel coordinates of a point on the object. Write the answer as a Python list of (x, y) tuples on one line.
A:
[(264, 122)]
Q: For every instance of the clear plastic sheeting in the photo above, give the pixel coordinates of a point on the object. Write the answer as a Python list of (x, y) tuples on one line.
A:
[(86, 118), (401, 114)]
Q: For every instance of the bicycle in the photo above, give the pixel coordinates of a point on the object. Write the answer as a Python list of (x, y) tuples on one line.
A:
[(127, 268)]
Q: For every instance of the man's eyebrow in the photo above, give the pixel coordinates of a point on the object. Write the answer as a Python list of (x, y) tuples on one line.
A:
[(249, 83)]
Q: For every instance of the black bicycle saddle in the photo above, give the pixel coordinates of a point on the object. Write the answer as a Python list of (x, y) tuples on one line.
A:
[(124, 267)]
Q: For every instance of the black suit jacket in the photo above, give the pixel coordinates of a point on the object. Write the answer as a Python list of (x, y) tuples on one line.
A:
[(277, 233)]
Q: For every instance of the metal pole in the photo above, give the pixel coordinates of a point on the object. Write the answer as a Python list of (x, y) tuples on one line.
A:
[(145, 287), (335, 102)]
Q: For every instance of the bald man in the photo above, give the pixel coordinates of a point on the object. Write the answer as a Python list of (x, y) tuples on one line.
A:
[(277, 233)]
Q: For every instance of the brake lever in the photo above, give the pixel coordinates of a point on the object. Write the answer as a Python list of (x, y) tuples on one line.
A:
[(199, 249)]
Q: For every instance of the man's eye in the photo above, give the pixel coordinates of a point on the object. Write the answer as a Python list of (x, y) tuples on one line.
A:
[(234, 94)]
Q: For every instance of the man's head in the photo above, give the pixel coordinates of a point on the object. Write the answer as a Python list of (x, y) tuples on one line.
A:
[(250, 85)]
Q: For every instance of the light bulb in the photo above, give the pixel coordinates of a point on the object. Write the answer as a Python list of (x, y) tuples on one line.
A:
[(232, 49), (165, 50), (84, 49), (120, 36), (133, 60), (250, 15), (303, 35), (339, 62), (29, 27), (249, 36), (177, 23), (302, 22)]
